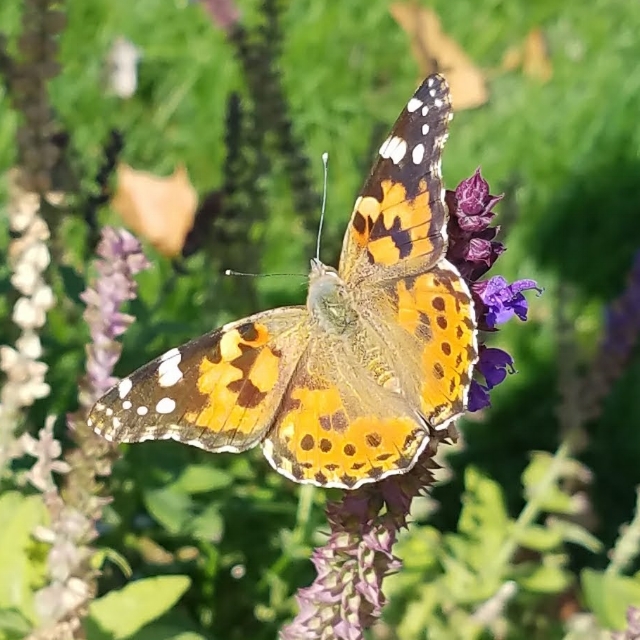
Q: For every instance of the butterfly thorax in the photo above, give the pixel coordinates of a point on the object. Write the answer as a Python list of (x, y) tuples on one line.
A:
[(333, 309), (329, 302)]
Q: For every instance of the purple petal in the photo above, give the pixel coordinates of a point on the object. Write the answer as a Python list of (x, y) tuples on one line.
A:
[(502, 300), (478, 397), (493, 364)]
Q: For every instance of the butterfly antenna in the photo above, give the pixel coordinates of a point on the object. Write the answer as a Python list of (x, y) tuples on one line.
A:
[(231, 272), (325, 161)]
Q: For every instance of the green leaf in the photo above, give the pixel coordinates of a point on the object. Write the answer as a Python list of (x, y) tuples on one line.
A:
[(549, 577), (208, 525), (171, 509), (537, 470), (540, 538), (609, 595), (572, 532), (13, 625), (119, 614), (102, 555), (158, 632), (484, 516), (534, 478), (19, 569), (201, 478)]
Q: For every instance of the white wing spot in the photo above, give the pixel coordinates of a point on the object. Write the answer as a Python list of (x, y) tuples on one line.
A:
[(414, 104), (432, 93), (438, 103), (418, 153), (109, 411), (425, 109), (142, 411), (169, 372), (431, 82), (425, 129), (384, 147), (116, 422), (124, 388), (126, 405), (170, 355), (396, 149), (165, 405)]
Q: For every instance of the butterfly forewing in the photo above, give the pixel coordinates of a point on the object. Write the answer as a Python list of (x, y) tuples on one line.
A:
[(400, 213), (218, 392)]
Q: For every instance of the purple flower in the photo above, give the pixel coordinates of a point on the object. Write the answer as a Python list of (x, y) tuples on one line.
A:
[(620, 336), (493, 365), (502, 300), (472, 245), (121, 259)]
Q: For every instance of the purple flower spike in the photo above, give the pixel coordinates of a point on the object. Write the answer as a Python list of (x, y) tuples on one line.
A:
[(121, 258), (502, 300), (472, 245)]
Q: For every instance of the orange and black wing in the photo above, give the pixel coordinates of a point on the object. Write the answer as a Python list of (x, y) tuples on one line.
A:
[(218, 392), (400, 214)]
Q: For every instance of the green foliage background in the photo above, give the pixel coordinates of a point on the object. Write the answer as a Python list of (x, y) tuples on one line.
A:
[(223, 541)]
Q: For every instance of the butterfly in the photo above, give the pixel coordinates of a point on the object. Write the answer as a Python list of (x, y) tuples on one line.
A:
[(348, 388)]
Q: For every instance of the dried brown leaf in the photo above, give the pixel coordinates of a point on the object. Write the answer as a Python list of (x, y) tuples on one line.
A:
[(532, 56), (435, 51), (159, 209)]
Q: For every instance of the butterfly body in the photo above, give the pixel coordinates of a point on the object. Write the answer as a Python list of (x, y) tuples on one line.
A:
[(347, 389)]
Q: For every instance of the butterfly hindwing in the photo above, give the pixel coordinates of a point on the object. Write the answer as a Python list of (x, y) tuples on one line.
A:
[(400, 213), (337, 428), (218, 392), (429, 319)]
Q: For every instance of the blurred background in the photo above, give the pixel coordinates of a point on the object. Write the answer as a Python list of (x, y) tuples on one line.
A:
[(200, 126)]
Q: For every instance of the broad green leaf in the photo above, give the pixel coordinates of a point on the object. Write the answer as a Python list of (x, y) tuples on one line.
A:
[(419, 551), (609, 596), (122, 613), (172, 509), (418, 613), (13, 625), (208, 525), (200, 478), (18, 568)]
